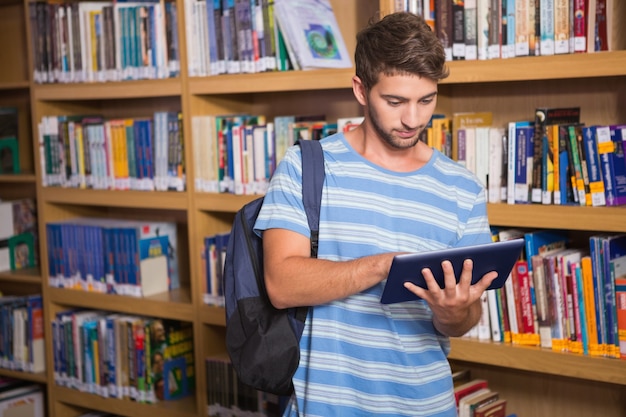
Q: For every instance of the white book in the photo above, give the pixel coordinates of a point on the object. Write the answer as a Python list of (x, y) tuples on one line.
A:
[(312, 33), (546, 21), (482, 28), (482, 154), (496, 155)]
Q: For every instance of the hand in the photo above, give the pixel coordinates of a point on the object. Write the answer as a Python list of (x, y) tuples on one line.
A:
[(456, 307)]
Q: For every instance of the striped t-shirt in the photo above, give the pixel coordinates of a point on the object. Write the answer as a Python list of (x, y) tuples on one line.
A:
[(358, 356)]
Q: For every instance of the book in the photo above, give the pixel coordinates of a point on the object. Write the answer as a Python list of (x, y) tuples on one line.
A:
[(9, 155), (594, 170), (618, 274), (464, 120), (26, 400), (469, 403), (467, 388), (8, 122), (311, 32), (493, 409), (611, 151), (171, 358)]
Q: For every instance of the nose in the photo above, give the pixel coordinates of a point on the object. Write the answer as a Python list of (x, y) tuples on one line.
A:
[(411, 116)]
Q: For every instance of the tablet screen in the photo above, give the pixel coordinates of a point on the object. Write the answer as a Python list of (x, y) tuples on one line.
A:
[(496, 256)]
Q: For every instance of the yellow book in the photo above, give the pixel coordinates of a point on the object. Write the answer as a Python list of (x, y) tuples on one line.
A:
[(80, 146), (590, 307)]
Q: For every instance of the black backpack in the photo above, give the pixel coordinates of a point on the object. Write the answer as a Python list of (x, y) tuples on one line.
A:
[(264, 342)]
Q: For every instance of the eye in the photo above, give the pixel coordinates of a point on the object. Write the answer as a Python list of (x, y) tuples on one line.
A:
[(394, 103), (427, 100)]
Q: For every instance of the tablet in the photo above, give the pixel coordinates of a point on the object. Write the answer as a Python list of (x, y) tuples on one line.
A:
[(496, 256)]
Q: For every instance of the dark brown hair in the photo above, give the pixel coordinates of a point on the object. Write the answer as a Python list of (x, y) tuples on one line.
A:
[(400, 43)]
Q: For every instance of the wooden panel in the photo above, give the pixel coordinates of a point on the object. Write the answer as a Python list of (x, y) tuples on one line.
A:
[(13, 51), (111, 90), (568, 66), (137, 199), (185, 407), (609, 219), (540, 360), (175, 304)]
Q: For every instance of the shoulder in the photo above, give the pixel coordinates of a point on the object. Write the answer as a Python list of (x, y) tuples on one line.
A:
[(452, 172)]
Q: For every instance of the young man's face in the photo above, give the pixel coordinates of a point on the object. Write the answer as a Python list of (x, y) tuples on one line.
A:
[(399, 108)]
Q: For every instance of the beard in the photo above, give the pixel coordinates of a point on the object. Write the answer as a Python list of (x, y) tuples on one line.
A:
[(388, 137)]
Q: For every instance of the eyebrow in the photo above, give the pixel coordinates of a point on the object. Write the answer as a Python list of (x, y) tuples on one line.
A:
[(401, 98)]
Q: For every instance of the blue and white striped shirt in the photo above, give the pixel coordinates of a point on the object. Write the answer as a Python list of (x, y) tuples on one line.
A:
[(358, 356)]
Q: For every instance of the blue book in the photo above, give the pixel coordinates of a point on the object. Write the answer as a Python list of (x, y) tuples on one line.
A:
[(613, 164), (594, 171), (614, 248)]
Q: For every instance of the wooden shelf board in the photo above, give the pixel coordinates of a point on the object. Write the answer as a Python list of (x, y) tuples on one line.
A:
[(538, 360), (599, 64), (29, 275), (18, 178), (228, 203), (607, 219), (322, 79), (14, 85), (213, 315), (40, 377), (175, 304), (111, 90), (110, 198), (185, 407)]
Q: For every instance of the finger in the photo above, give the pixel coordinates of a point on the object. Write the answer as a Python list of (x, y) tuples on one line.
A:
[(417, 290), (466, 274), (486, 280), (430, 280), (449, 278)]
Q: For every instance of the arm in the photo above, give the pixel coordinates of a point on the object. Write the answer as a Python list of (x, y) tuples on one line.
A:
[(293, 278)]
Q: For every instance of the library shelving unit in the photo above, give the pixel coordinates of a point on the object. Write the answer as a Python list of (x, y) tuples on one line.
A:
[(15, 92), (536, 382)]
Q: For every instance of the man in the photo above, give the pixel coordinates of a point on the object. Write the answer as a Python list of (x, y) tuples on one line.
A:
[(385, 193)]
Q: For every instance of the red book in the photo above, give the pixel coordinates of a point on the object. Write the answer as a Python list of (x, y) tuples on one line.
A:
[(580, 26), (468, 388)]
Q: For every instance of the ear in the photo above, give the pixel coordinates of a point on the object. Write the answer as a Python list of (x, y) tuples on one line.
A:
[(359, 90)]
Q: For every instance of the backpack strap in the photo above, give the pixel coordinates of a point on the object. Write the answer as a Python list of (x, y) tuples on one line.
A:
[(312, 186)]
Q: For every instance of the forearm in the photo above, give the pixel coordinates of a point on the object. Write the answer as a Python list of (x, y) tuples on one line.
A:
[(302, 281)]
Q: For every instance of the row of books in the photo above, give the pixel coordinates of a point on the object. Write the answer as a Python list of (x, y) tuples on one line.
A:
[(21, 398), (129, 357), (474, 397), (248, 36), (550, 158), (126, 257), (238, 153), (227, 396), (21, 339), (103, 41), (18, 234), (9, 148), (491, 29), (89, 151), (560, 297)]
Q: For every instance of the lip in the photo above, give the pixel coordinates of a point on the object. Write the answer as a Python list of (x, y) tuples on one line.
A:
[(406, 134)]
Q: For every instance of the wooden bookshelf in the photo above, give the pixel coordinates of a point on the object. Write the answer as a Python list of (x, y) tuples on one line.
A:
[(538, 382)]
